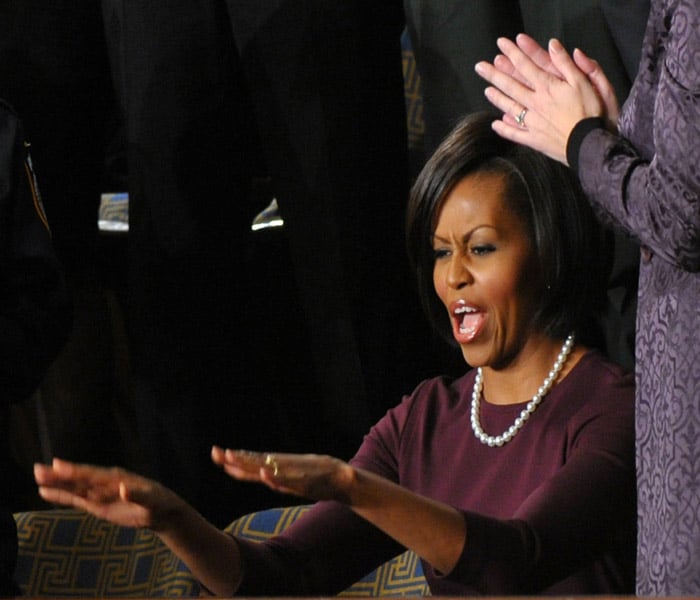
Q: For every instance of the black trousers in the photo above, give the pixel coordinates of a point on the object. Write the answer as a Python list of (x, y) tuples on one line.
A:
[(309, 93)]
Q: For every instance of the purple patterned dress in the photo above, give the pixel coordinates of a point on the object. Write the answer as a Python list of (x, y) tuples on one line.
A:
[(648, 182)]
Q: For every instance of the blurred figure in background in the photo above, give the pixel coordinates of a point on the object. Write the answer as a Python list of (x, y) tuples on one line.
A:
[(213, 94), (55, 72), (35, 313)]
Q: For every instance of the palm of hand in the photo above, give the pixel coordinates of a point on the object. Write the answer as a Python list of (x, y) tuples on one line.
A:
[(309, 476), (129, 501), (113, 494)]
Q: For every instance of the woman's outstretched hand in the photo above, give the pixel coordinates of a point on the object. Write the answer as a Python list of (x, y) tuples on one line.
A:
[(310, 476), (109, 493), (543, 94), (434, 530)]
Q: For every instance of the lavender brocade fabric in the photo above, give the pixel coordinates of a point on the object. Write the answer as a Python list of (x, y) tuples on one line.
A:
[(648, 182)]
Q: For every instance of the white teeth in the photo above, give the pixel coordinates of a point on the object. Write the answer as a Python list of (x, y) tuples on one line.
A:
[(464, 309), (467, 330)]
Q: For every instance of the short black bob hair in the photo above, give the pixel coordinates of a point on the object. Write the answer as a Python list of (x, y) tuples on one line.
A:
[(574, 251)]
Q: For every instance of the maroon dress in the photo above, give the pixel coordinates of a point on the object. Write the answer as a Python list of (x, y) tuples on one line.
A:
[(550, 512), (648, 183)]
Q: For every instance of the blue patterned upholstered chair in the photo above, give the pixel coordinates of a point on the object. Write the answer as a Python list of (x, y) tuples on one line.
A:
[(68, 553), (65, 552)]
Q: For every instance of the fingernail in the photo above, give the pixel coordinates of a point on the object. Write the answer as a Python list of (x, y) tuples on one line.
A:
[(555, 45), (479, 68)]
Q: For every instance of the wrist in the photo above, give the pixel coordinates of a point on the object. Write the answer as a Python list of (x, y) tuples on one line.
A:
[(347, 484), (170, 515), (576, 136)]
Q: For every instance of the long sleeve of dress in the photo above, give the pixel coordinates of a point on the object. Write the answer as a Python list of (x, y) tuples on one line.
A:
[(323, 552), (647, 179), (34, 306)]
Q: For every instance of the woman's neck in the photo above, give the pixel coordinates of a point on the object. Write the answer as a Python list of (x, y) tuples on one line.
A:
[(522, 377)]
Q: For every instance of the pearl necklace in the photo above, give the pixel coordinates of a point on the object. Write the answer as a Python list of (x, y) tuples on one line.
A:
[(509, 433)]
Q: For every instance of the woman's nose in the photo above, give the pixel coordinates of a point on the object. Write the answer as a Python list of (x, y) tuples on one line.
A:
[(458, 274)]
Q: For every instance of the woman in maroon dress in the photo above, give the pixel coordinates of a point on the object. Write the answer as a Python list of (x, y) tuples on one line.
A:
[(517, 477)]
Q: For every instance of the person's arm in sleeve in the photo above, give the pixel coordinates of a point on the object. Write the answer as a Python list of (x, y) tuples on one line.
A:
[(565, 523), (565, 107), (322, 553), (434, 530), (656, 198)]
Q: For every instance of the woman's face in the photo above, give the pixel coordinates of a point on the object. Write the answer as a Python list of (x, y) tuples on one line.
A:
[(485, 271)]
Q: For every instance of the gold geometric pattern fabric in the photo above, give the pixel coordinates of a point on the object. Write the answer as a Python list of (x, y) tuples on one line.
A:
[(262, 525), (401, 576), (66, 552), (69, 553)]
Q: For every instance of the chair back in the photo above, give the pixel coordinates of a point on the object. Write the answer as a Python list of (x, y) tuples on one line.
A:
[(66, 552)]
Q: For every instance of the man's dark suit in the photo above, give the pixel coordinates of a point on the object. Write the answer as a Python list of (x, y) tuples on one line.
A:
[(309, 93)]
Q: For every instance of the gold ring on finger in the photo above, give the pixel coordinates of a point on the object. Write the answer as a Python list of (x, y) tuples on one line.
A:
[(270, 461), (520, 119)]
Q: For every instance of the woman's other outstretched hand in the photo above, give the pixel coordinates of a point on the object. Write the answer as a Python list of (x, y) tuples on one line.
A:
[(109, 493), (130, 500), (543, 94), (311, 476)]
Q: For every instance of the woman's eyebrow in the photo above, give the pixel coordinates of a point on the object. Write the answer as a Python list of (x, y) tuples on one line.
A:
[(436, 238), (467, 234)]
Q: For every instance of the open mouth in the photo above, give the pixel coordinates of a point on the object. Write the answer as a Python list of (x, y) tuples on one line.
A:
[(468, 321)]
